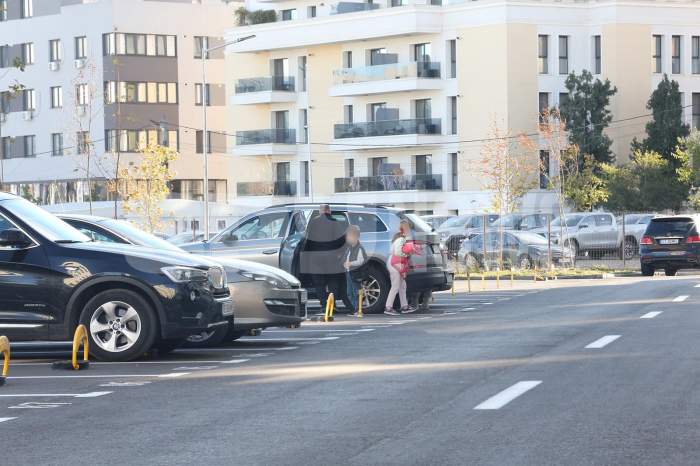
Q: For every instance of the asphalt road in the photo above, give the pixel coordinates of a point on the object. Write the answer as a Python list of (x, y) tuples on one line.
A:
[(597, 374)]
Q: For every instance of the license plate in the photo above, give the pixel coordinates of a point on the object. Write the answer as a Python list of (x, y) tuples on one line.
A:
[(227, 308), (677, 253), (668, 241)]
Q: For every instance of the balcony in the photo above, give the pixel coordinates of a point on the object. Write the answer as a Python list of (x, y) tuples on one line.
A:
[(361, 184), (267, 188), (341, 8), (387, 133), (393, 77), (270, 141), (264, 90)]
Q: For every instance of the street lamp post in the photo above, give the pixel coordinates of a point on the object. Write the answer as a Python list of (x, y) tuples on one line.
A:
[(205, 139)]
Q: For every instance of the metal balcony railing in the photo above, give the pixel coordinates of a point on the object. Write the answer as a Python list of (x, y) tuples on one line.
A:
[(387, 128), (269, 83), (416, 69), (359, 184), (266, 136), (267, 188), (352, 7)]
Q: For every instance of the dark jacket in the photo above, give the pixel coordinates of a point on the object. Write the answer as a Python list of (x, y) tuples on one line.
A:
[(352, 254), (323, 245)]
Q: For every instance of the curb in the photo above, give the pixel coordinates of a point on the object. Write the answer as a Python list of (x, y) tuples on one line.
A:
[(599, 276)]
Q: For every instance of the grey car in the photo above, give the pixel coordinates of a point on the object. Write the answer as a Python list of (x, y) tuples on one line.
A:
[(264, 296), (272, 236), (584, 232), (457, 229)]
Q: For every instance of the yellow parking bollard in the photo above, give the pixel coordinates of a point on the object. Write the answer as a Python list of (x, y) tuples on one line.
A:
[(483, 281), (359, 304), (498, 278), (5, 350), (80, 336), (330, 307)]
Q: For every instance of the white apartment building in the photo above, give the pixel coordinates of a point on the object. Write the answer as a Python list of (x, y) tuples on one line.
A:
[(389, 101), (120, 74)]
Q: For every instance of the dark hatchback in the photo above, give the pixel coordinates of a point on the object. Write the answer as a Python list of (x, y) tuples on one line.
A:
[(52, 278), (670, 243)]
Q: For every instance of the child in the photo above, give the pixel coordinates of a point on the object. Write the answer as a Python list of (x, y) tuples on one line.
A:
[(355, 259)]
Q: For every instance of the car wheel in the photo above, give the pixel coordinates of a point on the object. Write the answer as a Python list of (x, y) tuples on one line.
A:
[(647, 271), (375, 288), (525, 262), (670, 272), (630, 248), (121, 325), (168, 345), (207, 338)]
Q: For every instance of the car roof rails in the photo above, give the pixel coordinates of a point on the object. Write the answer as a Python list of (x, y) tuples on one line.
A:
[(316, 204)]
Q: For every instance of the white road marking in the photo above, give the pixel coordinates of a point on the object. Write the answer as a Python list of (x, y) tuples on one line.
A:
[(651, 315), (233, 361), (320, 330), (5, 419), (124, 384), (205, 350), (501, 399), (53, 395), (38, 405), (449, 313), (282, 340), (195, 368), (487, 303), (172, 375), (697, 286), (680, 299), (468, 309), (603, 342), (93, 376)]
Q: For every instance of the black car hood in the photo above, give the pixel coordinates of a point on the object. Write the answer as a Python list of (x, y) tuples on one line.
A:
[(141, 252)]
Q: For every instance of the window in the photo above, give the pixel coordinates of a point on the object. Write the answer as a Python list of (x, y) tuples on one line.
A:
[(676, 54), (199, 142), (375, 111), (368, 223), (311, 11), (349, 168), (377, 165), (27, 10), (304, 125), (424, 165), (453, 114), (603, 220), (82, 142), (348, 114), (543, 54), (135, 44), (454, 171), (57, 144), (347, 59), (302, 74), (656, 54), (82, 94), (29, 100), (3, 10), (55, 51), (265, 226), (282, 171), (422, 109), (29, 146), (421, 52), (289, 15), (198, 97), (305, 176), (452, 47), (56, 97), (28, 53), (141, 92), (80, 47), (696, 110), (696, 54), (597, 55), (7, 147), (128, 140), (544, 169), (543, 105), (376, 56), (118, 43), (201, 43), (563, 54)]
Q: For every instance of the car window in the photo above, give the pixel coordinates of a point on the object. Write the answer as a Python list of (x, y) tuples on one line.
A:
[(510, 241), (368, 223), (5, 224), (91, 232), (671, 227), (603, 220), (588, 221), (454, 222), (298, 224), (266, 226)]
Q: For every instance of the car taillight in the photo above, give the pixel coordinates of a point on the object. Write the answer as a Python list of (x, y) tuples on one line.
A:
[(646, 240), (693, 239)]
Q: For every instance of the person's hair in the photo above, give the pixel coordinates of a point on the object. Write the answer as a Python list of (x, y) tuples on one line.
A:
[(324, 208), (353, 229), (400, 232)]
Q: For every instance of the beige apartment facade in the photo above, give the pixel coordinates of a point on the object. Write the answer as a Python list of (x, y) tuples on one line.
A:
[(390, 102)]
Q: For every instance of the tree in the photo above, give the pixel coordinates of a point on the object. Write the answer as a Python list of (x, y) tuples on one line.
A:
[(666, 126), (586, 115), (146, 185)]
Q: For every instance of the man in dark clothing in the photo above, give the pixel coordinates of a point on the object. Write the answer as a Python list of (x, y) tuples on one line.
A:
[(324, 242)]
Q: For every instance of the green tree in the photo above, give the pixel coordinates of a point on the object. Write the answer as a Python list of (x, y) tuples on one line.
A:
[(586, 114), (666, 126)]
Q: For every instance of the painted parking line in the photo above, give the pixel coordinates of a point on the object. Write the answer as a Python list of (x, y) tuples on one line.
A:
[(5, 419), (680, 299), (501, 399), (603, 342), (252, 348), (54, 395), (136, 363), (651, 315), (297, 330), (98, 376), (282, 340), (697, 286)]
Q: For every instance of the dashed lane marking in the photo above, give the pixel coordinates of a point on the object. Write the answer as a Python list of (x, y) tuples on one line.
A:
[(680, 299), (54, 395), (603, 342), (651, 315), (5, 419), (282, 340), (504, 397)]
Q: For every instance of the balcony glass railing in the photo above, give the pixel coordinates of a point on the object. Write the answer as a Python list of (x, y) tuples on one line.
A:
[(416, 69), (269, 83), (266, 136), (387, 128), (352, 7), (389, 183), (267, 188)]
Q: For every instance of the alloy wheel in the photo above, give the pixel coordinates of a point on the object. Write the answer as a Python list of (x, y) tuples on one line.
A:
[(371, 291), (115, 326)]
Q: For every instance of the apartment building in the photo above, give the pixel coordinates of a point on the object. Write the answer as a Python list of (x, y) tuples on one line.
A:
[(390, 101), (101, 79)]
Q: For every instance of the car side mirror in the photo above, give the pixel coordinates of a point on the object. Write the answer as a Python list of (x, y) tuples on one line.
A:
[(13, 238), (231, 239), (580, 227)]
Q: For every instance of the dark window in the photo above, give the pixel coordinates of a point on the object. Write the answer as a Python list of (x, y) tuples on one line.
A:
[(199, 142), (349, 168), (424, 165), (543, 105), (288, 15), (57, 144), (563, 98), (597, 55), (543, 54), (454, 172), (29, 146), (676, 54), (81, 47), (453, 58), (453, 114), (696, 54), (368, 223), (656, 56), (563, 54), (696, 110), (671, 227)]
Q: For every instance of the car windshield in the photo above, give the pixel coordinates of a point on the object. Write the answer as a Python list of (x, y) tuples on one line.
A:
[(454, 222), (671, 227), (138, 236), (531, 238), (419, 224), (44, 223), (571, 220), (507, 221)]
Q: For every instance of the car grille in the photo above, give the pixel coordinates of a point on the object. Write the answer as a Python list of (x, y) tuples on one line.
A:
[(283, 307)]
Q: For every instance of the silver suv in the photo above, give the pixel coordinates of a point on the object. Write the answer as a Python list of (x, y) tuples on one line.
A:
[(272, 236), (583, 232)]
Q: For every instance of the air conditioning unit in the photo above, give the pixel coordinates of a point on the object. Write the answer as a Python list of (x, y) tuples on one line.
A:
[(80, 63), (54, 65), (81, 110), (28, 115)]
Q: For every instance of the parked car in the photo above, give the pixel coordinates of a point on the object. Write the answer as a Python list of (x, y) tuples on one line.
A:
[(53, 277), (272, 236), (188, 237), (670, 243), (519, 249), (520, 222), (264, 296), (436, 221), (635, 226), (455, 230), (586, 232)]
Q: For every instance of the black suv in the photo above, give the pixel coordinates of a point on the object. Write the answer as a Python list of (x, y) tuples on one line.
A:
[(52, 278), (670, 243)]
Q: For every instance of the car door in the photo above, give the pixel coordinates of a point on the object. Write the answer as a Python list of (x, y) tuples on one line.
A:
[(257, 238), (586, 233), (289, 249), (606, 230), (26, 284)]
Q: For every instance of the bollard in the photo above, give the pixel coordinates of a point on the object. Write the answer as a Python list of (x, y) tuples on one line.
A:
[(483, 281), (5, 350), (80, 336), (359, 304), (511, 277), (330, 307), (498, 278), (469, 282)]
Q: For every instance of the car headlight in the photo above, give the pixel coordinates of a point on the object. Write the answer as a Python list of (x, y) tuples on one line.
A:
[(182, 274), (217, 277), (272, 280)]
